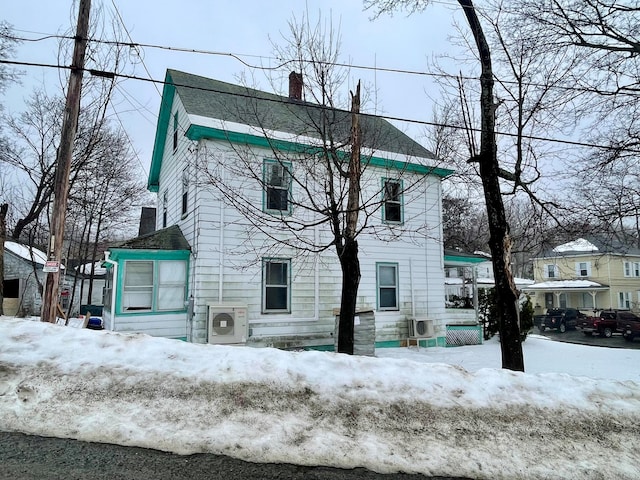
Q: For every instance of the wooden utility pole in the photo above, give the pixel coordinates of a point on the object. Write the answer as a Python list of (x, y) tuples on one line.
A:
[(63, 165)]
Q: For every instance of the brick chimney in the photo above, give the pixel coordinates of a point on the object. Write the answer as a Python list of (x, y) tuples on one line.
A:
[(295, 86)]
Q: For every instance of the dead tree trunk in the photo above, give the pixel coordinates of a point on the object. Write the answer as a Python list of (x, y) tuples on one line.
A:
[(499, 242), (348, 249), (4, 208)]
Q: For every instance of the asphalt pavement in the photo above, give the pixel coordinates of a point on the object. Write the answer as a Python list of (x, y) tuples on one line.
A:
[(26, 457), (576, 336)]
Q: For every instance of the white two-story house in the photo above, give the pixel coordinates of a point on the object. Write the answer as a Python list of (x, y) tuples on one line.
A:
[(242, 250)]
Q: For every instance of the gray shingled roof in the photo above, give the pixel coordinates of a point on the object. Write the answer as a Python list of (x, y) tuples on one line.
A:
[(170, 238), (233, 103)]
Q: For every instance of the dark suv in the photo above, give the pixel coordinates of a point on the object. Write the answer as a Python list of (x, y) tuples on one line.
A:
[(561, 319)]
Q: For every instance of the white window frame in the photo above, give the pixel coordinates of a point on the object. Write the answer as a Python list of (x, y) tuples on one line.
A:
[(268, 286), (171, 290), (631, 269), (387, 286), (137, 296), (586, 269), (547, 270), (283, 186), (624, 300)]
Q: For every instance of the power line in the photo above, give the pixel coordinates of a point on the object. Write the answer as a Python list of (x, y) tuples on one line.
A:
[(630, 89), (131, 40), (107, 74)]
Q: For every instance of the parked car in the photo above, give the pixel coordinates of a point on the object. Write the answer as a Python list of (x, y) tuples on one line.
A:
[(605, 326), (629, 324), (561, 319)]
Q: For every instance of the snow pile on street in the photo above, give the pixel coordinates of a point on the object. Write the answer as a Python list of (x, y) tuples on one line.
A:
[(317, 408)]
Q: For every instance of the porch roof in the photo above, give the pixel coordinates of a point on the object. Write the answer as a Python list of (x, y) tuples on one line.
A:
[(566, 286)]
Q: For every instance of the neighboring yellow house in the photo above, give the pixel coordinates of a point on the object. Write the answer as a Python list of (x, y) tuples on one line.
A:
[(586, 275)]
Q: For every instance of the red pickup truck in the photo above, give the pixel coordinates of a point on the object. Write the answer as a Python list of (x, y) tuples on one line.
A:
[(610, 322)]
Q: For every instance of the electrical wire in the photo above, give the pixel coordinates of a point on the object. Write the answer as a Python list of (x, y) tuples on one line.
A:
[(106, 74)]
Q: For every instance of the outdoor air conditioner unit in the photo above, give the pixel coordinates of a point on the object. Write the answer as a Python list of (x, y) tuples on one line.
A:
[(421, 327), (227, 324)]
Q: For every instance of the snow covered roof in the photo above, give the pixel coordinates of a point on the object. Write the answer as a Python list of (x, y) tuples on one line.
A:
[(567, 285), (579, 245), (98, 269), (24, 251)]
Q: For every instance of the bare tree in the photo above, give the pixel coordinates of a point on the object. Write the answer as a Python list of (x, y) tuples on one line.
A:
[(490, 174)]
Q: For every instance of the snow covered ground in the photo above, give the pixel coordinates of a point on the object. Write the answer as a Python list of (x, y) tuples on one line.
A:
[(438, 411)]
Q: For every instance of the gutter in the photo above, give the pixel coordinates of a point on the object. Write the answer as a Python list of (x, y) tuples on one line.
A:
[(112, 311)]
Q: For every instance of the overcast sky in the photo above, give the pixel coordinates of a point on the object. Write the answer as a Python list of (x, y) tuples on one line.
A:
[(242, 27)]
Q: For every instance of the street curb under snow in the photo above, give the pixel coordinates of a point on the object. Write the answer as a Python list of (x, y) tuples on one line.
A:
[(314, 408)]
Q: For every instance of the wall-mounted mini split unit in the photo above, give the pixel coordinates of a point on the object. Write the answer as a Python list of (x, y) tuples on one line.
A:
[(421, 327), (227, 324)]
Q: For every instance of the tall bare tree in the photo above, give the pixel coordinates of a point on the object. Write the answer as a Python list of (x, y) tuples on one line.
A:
[(490, 174)]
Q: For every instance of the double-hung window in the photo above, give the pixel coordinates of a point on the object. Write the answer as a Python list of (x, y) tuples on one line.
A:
[(624, 300), (551, 271), (583, 269), (391, 201), (276, 285), (277, 186), (387, 280), (632, 269)]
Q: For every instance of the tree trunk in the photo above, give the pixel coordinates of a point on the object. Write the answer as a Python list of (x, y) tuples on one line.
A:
[(3, 235), (348, 250), (350, 282), (499, 242)]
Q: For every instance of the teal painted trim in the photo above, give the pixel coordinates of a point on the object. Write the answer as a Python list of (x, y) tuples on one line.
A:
[(153, 256), (198, 132), (441, 341), (473, 260), (389, 344), (164, 117), (464, 327), (321, 348), (118, 254)]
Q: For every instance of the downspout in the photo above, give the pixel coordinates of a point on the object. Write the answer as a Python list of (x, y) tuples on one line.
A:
[(113, 288), (413, 296), (191, 307), (474, 280), (221, 243)]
